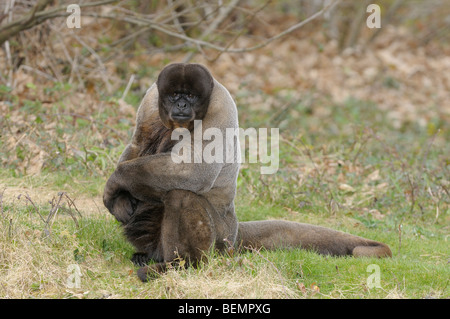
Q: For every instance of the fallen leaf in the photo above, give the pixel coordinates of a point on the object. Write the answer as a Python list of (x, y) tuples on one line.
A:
[(382, 186), (315, 289), (346, 188), (376, 214), (374, 176), (301, 287)]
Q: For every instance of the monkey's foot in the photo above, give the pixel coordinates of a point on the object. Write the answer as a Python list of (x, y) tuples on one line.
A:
[(150, 272), (140, 259)]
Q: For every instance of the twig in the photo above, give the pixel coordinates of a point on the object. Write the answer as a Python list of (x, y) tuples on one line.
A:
[(436, 202), (10, 228), (9, 7), (399, 238), (159, 27), (71, 204), (265, 186), (56, 206), (9, 64), (73, 62), (427, 150), (130, 82), (214, 25), (53, 211), (398, 282), (99, 61), (27, 197), (277, 117), (1, 200), (40, 5), (45, 75), (38, 16), (355, 27), (238, 34), (174, 16), (130, 36), (287, 31), (361, 147), (412, 184)]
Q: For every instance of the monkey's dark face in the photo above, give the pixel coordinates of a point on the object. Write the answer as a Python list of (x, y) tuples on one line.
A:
[(184, 94)]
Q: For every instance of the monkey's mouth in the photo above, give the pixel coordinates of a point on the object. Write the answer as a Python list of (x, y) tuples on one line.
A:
[(181, 118)]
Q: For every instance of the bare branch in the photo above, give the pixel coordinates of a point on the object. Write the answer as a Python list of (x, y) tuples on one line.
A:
[(199, 42), (287, 31), (215, 24), (37, 16), (103, 72)]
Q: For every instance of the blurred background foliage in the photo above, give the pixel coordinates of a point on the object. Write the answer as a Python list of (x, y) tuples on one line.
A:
[(363, 113)]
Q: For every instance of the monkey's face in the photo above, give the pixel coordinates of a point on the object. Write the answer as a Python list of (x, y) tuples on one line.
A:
[(184, 94)]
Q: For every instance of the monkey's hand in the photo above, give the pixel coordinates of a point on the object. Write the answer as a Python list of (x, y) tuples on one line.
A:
[(119, 203)]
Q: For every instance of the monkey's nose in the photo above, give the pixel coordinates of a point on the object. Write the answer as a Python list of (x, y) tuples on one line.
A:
[(181, 105)]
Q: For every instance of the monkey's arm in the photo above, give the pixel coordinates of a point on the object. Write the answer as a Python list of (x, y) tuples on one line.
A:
[(123, 205), (153, 175), (131, 151)]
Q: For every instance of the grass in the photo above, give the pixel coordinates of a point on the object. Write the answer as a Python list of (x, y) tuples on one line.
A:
[(347, 168), (34, 264)]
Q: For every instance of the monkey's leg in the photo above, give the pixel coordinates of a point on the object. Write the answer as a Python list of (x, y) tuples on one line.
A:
[(144, 231), (283, 234), (187, 231)]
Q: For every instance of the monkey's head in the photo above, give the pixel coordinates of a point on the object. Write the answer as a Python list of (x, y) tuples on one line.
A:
[(184, 94)]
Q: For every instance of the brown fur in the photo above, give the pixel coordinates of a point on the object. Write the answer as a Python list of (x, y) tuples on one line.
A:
[(171, 210), (156, 139)]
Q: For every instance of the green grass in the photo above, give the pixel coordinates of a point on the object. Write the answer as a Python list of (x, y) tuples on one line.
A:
[(348, 169), (35, 264)]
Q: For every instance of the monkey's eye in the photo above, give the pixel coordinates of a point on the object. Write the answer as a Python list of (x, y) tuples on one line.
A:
[(174, 96)]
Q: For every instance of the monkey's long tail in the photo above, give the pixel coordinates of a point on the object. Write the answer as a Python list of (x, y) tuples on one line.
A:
[(274, 234)]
